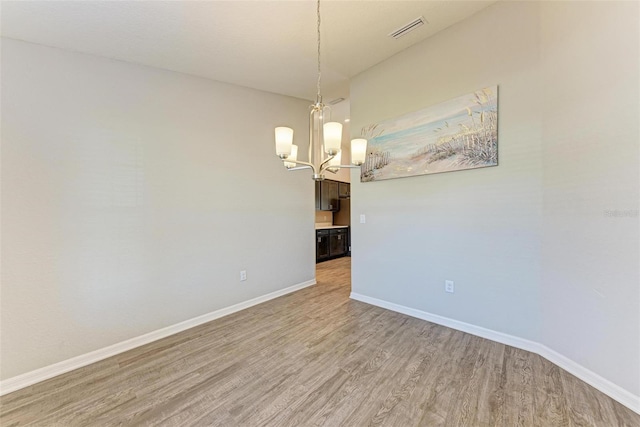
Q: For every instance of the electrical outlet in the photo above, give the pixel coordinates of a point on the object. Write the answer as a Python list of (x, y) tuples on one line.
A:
[(448, 286), (363, 219), (243, 275)]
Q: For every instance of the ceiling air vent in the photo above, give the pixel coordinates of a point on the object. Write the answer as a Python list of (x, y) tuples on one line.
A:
[(418, 22)]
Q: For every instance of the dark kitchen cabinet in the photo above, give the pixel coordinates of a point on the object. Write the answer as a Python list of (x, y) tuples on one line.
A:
[(338, 242), (344, 190), (322, 245), (332, 243), (327, 196)]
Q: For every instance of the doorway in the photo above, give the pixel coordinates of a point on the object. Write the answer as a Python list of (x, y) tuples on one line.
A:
[(335, 274)]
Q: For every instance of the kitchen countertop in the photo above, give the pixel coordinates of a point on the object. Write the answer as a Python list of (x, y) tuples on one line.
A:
[(329, 227)]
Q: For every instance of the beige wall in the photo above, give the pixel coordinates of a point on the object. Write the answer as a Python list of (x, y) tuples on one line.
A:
[(131, 199), (529, 244), (343, 216), (324, 217)]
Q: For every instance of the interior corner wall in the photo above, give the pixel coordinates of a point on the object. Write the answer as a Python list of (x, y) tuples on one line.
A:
[(590, 246), (131, 199), (544, 246)]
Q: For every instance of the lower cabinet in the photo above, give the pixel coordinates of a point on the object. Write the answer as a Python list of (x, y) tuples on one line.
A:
[(338, 242), (331, 243), (322, 245)]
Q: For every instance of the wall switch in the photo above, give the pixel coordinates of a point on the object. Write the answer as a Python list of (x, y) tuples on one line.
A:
[(243, 275), (448, 286), (363, 219)]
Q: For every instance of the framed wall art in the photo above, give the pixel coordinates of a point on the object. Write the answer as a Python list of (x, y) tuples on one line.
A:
[(458, 134)]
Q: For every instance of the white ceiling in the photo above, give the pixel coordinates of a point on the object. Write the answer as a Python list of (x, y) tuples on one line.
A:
[(267, 45)]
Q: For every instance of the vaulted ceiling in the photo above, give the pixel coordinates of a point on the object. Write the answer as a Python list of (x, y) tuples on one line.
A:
[(266, 45)]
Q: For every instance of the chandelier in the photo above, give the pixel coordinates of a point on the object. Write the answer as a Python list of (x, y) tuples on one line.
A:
[(325, 139)]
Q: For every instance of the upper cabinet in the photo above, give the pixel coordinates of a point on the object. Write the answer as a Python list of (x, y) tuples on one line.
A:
[(344, 190), (327, 198)]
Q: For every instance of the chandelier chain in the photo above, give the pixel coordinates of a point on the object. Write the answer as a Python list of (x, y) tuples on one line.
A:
[(319, 71)]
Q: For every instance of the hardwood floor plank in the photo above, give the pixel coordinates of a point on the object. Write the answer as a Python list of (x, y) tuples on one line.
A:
[(548, 393), (519, 387), (475, 374), (317, 358)]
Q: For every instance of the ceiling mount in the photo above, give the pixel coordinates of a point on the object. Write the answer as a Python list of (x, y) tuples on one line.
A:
[(407, 28)]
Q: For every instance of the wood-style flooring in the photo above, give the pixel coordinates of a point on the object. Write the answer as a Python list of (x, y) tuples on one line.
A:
[(317, 358)]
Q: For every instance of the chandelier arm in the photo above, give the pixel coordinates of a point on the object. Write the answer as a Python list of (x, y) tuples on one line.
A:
[(323, 165), (347, 166), (297, 168), (300, 162)]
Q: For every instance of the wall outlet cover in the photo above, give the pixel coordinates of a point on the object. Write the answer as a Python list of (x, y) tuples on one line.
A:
[(448, 286)]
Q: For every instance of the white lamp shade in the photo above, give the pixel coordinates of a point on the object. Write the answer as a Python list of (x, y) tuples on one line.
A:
[(358, 151), (332, 137), (336, 160), (284, 141), (292, 156)]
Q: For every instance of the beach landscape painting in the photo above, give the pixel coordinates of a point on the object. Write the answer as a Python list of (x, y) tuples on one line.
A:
[(458, 134)]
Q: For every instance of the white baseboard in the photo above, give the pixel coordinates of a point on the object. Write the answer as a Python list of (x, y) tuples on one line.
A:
[(21, 381), (612, 390)]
